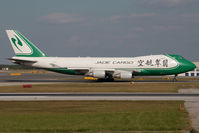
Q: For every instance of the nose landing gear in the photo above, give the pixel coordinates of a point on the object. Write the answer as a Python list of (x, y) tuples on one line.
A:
[(175, 78)]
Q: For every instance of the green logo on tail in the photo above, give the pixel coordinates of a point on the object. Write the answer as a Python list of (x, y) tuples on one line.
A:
[(18, 42)]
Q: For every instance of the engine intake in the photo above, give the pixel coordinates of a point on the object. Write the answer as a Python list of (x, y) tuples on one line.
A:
[(98, 74)]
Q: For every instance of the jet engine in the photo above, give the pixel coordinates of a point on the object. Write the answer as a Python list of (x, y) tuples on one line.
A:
[(98, 74), (123, 75)]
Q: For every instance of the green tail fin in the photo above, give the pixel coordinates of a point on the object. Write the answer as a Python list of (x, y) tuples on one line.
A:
[(22, 46)]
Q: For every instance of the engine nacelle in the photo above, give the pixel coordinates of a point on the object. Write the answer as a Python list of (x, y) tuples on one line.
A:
[(98, 74), (123, 75)]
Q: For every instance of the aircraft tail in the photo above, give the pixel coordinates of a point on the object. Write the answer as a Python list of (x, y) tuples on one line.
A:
[(22, 46)]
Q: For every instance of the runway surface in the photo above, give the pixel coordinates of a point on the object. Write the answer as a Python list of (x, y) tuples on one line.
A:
[(96, 96)]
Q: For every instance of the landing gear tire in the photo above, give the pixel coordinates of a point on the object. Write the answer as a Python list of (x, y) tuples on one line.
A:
[(110, 79), (106, 80)]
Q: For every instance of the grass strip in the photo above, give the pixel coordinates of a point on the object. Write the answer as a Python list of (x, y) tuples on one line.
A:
[(92, 116)]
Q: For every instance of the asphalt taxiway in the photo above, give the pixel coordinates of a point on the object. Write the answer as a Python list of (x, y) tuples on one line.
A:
[(97, 96)]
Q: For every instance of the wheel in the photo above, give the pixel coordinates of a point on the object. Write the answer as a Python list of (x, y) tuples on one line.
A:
[(175, 78), (106, 80)]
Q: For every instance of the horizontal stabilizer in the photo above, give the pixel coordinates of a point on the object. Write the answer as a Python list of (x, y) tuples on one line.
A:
[(20, 61)]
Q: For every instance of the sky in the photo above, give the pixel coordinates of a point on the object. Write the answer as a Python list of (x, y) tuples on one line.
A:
[(107, 28)]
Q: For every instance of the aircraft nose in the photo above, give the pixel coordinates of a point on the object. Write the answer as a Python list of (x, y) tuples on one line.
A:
[(189, 65)]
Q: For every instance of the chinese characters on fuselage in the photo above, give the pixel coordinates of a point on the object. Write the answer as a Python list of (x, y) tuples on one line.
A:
[(150, 62)]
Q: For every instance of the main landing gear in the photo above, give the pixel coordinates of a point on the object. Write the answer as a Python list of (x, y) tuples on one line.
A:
[(108, 78)]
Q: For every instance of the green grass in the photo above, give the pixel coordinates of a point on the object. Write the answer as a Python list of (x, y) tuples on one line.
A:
[(92, 116), (102, 87)]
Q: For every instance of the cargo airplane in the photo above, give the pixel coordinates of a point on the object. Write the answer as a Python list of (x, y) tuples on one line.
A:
[(107, 68)]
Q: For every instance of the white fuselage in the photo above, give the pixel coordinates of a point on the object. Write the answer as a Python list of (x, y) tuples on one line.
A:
[(152, 61)]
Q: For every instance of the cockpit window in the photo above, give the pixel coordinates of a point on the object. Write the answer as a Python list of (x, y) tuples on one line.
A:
[(180, 57)]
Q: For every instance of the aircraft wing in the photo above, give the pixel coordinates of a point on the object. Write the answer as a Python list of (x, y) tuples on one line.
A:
[(87, 70), (21, 61)]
